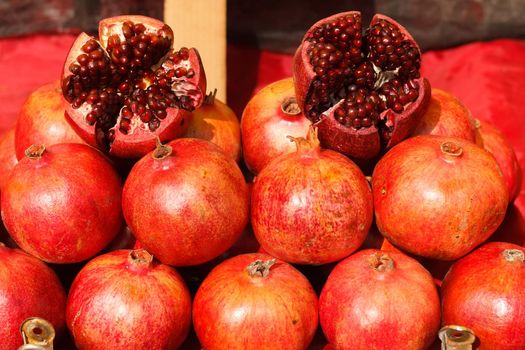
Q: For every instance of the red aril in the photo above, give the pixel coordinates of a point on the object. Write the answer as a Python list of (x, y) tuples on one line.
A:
[(363, 91), (62, 204), (268, 119), (41, 120), (493, 140), (28, 288), (126, 300), (485, 291), (128, 87), (379, 300), (312, 206), (214, 121), (438, 197), (446, 116), (187, 202), (254, 301), (7, 155)]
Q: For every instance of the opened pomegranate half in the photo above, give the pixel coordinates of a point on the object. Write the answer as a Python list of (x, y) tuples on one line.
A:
[(363, 90), (128, 86)]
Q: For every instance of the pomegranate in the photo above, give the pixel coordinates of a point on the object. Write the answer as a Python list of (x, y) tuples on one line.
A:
[(379, 300), (364, 92), (312, 206), (41, 120), (268, 119), (485, 291), (71, 203), (128, 87), (7, 155), (126, 300), (186, 202), (493, 140), (438, 197), (446, 116), (254, 301), (28, 288), (214, 121)]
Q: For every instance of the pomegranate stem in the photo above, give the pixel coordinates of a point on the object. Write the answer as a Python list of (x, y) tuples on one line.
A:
[(35, 151), (161, 151), (260, 268), (290, 106), (37, 331)]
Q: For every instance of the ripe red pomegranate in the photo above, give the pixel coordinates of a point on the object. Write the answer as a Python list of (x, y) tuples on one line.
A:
[(71, 203), (128, 87), (214, 121), (41, 120), (312, 206), (254, 301), (268, 119), (7, 155), (438, 197), (446, 116), (186, 202), (485, 291), (493, 140), (126, 300), (363, 91), (379, 300), (28, 288)]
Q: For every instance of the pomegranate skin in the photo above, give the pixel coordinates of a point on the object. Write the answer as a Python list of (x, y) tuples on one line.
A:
[(235, 310), (188, 207), (41, 120), (485, 291), (446, 116), (123, 300), (269, 117), (312, 206), (438, 197), (7, 155), (368, 304), (214, 121), (28, 288), (71, 203), (493, 140)]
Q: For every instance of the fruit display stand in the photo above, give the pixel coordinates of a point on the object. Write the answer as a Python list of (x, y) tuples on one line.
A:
[(487, 77)]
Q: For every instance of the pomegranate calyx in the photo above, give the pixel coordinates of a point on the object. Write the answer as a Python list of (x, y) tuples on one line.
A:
[(37, 331), (452, 149), (140, 257), (311, 142), (161, 151), (381, 262), (210, 98), (290, 106), (514, 255), (260, 268), (35, 152), (455, 337)]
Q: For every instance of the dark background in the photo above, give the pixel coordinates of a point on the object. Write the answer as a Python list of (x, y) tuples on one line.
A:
[(278, 25)]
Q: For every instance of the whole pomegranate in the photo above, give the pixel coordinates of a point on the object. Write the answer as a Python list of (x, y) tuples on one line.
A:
[(214, 121), (379, 300), (268, 119), (493, 140), (186, 202), (127, 87), (41, 120), (485, 291), (62, 204), (438, 197), (312, 206), (363, 91), (446, 116), (254, 301), (7, 155), (28, 288), (126, 300)]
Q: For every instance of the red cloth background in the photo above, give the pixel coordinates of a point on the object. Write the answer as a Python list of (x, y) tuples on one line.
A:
[(489, 77)]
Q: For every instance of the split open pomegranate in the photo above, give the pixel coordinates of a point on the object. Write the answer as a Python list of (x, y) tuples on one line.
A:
[(363, 91), (128, 86)]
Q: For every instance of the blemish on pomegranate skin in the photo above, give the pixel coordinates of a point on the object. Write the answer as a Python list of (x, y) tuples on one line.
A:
[(383, 191)]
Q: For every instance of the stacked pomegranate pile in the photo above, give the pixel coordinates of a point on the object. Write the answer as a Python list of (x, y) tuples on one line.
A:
[(365, 180)]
